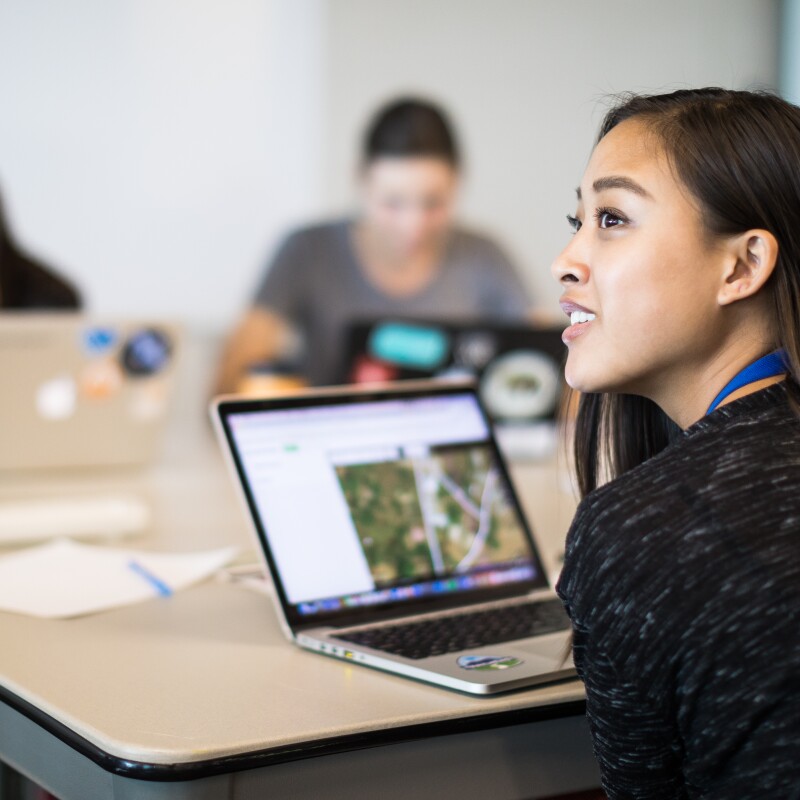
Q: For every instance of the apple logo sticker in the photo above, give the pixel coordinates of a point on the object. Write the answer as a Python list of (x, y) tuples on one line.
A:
[(56, 398)]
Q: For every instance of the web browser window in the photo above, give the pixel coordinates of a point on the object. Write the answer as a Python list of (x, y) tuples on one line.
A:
[(374, 502)]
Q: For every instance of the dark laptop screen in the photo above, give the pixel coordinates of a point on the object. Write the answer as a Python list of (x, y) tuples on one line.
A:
[(388, 501)]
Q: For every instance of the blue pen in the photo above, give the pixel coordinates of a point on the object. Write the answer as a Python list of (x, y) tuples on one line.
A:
[(153, 580)]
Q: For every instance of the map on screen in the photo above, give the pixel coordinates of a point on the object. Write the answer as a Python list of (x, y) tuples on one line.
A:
[(439, 512)]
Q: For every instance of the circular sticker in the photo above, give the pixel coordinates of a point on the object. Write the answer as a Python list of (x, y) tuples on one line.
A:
[(57, 398), (146, 352), (475, 350), (522, 384), (487, 663)]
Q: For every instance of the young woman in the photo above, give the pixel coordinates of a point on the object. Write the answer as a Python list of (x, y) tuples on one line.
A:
[(401, 255), (682, 571)]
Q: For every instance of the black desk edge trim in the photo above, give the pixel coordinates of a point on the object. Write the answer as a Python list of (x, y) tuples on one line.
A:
[(164, 773)]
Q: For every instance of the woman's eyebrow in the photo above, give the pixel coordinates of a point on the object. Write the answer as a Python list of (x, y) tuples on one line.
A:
[(617, 182)]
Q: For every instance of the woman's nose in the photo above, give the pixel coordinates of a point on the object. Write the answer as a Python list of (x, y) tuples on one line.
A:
[(570, 266)]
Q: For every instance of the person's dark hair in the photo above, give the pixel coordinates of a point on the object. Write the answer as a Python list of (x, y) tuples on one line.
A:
[(27, 284), (410, 127), (738, 154)]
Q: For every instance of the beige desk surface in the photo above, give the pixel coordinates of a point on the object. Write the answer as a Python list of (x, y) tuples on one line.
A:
[(206, 673)]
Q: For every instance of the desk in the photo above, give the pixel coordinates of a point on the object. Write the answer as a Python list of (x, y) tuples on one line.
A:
[(200, 696)]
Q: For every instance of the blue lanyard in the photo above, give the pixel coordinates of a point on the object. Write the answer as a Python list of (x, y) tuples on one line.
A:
[(766, 367)]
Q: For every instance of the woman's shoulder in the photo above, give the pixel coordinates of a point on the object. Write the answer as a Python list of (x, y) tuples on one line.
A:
[(320, 233), (732, 469), (470, 241), (743, 433), (306, 252), (616, 531), (478, 258)]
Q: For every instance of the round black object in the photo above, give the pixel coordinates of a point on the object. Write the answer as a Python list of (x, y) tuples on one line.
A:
[(146, 352)]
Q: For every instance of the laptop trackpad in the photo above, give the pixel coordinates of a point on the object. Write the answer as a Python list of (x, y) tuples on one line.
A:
[(556, 650)]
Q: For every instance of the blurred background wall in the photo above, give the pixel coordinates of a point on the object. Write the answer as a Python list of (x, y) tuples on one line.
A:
[(154, 150)]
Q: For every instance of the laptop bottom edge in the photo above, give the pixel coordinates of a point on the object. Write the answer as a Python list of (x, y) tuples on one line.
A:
[(486, 670)]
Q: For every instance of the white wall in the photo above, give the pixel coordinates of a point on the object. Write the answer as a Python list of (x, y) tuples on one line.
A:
[(525, 80), (790, 50), (154, 149)]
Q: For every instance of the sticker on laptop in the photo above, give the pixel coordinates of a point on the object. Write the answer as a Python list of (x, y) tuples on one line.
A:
[(99, 340), (100, 379), (409, 345), (57, 398), (149, 401), (486, 663), (146, 352)]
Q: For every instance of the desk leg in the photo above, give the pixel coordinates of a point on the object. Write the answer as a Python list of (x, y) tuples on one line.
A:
[(12, 785)]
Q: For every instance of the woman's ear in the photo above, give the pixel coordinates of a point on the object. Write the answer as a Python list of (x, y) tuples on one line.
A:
[(752, 259)]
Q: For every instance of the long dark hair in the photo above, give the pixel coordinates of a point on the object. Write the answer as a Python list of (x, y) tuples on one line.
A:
[(409, 127), (738, 154), (27, 284)]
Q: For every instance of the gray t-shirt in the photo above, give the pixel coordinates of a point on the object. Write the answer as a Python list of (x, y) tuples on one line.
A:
[(316, 283)]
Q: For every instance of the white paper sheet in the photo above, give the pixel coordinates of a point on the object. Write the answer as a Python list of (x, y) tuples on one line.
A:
[(67, 579)]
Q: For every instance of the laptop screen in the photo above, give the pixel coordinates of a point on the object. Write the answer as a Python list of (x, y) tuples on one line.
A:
[(379, 502)]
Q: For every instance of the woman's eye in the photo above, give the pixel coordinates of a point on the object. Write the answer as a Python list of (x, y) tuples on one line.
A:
[(574, 223), (608, 219)]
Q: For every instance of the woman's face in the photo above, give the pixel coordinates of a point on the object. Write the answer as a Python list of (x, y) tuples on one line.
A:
[(409, 202), (641, 270)]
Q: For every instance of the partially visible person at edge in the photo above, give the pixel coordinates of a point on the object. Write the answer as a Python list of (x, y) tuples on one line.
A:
[(682, 569), (401, 255), (27, 284)]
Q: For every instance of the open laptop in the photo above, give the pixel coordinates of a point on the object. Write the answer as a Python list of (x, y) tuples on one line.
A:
[(390, 528), (518, 369), (83, 392)]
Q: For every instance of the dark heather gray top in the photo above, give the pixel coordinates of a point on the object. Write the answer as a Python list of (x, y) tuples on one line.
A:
[(315, 282), (682, 579)]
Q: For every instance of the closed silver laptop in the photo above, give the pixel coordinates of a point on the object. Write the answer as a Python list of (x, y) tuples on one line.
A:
[(79, 391), (392, 534)]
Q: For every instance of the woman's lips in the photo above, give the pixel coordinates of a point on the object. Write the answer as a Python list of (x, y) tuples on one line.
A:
[(576, 329), (568, 306)]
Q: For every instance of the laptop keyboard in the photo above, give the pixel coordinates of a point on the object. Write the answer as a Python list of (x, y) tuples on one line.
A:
[(467, 631)]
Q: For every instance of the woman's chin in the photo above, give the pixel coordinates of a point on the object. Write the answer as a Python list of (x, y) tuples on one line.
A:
[(577, 381), (585, 383)]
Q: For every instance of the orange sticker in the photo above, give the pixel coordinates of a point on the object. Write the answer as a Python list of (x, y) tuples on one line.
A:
[(101, 380)]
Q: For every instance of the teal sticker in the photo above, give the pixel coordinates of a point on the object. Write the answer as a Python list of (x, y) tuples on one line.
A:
[(488, 663), (413, 346)]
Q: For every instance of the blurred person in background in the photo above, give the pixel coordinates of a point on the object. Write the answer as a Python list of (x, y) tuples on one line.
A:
[(401, 255), (27, 284)]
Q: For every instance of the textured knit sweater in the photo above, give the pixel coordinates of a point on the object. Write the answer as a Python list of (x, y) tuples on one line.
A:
[(682, 580)]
